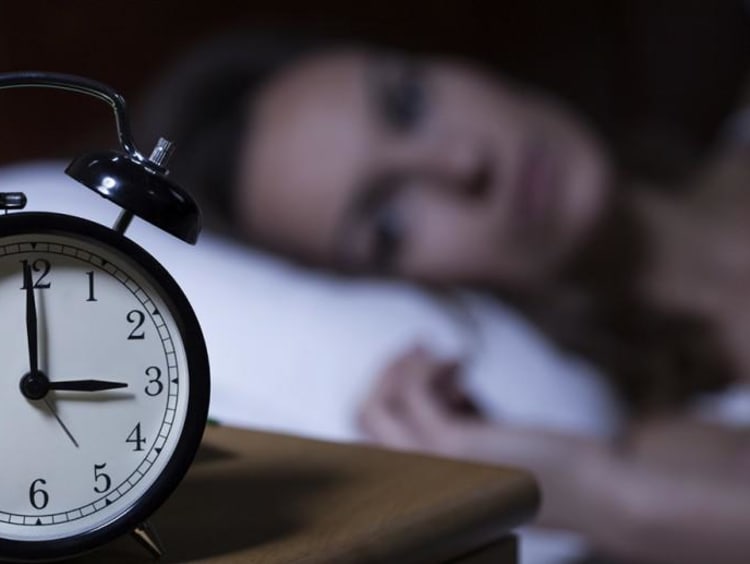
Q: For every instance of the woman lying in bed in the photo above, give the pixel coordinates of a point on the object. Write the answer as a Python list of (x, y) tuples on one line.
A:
[(437, 171)]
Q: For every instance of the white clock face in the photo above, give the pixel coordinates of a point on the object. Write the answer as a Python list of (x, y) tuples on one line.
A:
[(76, 459)]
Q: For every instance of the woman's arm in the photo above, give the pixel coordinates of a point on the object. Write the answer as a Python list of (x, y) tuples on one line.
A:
[(678, 491), (631, 501)]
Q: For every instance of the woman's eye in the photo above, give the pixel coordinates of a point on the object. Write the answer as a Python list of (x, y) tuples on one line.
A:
[(387, 237), (404, 97)]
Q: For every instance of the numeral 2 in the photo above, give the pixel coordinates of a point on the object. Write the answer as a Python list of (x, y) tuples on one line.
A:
[(137, 318)]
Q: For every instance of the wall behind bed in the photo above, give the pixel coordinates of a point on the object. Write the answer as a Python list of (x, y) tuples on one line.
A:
[(646, 71)]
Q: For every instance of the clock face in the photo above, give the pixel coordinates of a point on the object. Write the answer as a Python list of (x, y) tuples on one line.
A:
[(124, 393)]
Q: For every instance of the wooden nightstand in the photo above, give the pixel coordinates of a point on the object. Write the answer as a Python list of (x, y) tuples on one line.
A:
[(268, 498)]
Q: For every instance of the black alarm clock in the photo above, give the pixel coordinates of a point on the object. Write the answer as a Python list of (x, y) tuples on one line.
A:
[(104, 387)]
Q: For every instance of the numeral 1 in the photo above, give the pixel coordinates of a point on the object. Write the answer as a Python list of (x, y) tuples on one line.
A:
[(91, 297)]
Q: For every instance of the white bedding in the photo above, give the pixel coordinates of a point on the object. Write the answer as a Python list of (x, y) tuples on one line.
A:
[(294, 351)]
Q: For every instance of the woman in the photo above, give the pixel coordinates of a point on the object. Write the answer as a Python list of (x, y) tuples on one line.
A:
[(440, 172)]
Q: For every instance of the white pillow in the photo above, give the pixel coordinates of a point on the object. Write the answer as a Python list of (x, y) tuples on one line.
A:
[(294, 350)]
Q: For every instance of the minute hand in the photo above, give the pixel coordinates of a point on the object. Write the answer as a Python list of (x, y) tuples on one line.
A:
[(86, 385), (31, 320)]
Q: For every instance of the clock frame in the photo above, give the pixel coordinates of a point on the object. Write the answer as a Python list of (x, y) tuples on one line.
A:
[(130, 517)]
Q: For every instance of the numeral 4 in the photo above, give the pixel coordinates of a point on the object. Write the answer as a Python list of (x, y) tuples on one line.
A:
[(136, 438)]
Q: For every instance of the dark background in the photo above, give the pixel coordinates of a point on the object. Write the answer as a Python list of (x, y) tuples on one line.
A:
[(658, 75)]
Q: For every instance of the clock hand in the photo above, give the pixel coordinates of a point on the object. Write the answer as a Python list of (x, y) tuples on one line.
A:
[(34, 376), (86, 385), (67, 431), (31, 321)]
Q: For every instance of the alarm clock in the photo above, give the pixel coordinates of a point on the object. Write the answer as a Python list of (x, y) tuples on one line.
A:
[(104, 387)]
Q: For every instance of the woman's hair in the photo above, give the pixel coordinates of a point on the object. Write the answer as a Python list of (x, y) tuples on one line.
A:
[(654, 359), (203, 106)]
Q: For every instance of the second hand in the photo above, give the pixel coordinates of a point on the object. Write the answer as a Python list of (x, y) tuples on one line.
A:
[(65, 428)]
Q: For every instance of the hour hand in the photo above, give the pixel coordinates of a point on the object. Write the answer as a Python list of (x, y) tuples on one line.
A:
[(86, 385)]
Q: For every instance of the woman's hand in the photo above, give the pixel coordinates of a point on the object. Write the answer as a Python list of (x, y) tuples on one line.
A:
[(417, 404)]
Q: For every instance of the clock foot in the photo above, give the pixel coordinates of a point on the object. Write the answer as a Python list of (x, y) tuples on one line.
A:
[(146, 536)]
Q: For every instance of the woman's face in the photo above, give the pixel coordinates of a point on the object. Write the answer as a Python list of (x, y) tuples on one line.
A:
[(433, 170)]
